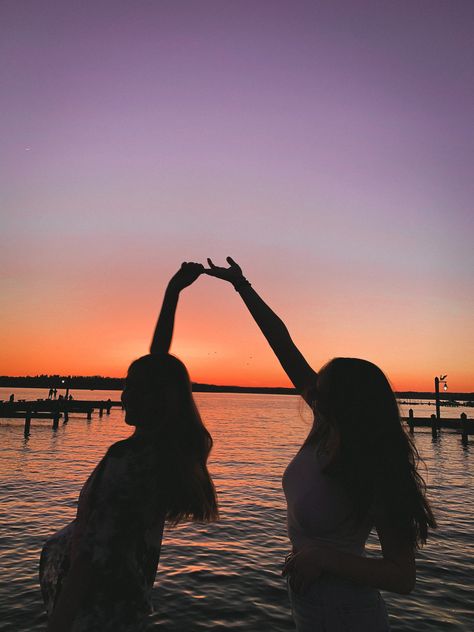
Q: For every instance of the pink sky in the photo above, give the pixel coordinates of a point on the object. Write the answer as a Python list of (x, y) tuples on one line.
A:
[(327, 147)]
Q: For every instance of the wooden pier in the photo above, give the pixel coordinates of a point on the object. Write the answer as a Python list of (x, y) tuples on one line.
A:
[(54, 409), (461, 424)]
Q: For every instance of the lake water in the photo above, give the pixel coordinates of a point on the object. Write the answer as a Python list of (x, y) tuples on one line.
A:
[(224, 576)]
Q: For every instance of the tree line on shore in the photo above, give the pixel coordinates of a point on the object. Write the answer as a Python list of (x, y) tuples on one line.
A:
[(98, 382)]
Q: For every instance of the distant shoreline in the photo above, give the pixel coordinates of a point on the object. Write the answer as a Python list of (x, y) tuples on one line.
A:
[(117, 384)]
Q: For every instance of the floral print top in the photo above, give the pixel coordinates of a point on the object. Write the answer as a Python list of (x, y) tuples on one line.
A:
[(118, 528)]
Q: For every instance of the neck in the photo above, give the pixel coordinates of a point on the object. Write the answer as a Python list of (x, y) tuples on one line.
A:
[(142, 432)]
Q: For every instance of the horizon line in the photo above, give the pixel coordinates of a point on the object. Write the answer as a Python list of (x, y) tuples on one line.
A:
[(280, 389)]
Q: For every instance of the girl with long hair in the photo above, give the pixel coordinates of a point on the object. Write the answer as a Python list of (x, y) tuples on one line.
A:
[(97, 573), (356, 470)]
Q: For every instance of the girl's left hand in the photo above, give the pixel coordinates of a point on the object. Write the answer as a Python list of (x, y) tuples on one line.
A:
[(303, 568), (186, 275)]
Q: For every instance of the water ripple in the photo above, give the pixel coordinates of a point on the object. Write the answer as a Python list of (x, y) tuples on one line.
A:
[(223, 576)]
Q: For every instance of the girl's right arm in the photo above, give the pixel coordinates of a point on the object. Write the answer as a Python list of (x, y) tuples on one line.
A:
[(185, 276), (273, 328)]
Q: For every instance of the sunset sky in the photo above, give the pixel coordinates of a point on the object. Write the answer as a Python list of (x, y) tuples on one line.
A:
[(327, 146)]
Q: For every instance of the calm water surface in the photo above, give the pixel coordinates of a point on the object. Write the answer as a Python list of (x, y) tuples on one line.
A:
[(224, 576)]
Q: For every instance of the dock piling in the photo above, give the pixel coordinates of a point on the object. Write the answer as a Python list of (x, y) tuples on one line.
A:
[(411, 421), (27, 422), (434, 427), (464, 432), (56, 420)]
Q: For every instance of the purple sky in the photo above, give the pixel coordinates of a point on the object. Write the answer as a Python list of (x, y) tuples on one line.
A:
[(326, 145)]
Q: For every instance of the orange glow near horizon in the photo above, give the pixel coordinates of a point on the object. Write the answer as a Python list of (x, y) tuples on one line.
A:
[(220, 344)]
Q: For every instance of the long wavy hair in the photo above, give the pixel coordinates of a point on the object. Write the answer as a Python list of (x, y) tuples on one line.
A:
[(358, 427), (158, 400)]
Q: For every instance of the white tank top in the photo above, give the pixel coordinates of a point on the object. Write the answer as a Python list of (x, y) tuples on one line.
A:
[(319, 510)]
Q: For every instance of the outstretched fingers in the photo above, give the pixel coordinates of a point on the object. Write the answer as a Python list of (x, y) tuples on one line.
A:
[(232, 274), (212, 270), (216, 271), (234, 265)]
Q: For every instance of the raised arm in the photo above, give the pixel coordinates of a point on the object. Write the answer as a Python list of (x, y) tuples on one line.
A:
[(273, 328), (186, 275)]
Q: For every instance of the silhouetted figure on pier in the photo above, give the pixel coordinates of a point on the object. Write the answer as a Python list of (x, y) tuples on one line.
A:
[(12, 397), (98, 572), (355, 470), (50, 393)]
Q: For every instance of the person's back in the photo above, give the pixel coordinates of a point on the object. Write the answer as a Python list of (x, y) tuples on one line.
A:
[(118, 527)]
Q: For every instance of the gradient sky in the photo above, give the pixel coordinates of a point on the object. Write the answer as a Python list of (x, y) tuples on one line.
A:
[(326, 146)]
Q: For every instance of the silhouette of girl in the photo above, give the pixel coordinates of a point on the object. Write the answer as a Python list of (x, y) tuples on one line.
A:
[(356, 470), (97, 573)]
